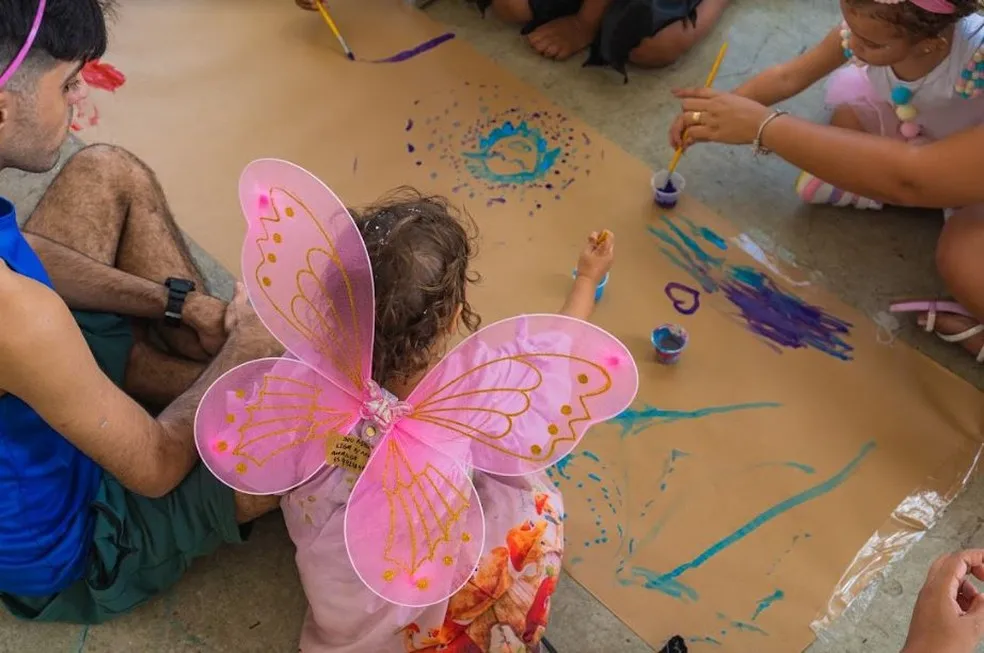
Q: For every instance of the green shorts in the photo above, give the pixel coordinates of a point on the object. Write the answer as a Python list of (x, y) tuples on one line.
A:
[(140, 546)]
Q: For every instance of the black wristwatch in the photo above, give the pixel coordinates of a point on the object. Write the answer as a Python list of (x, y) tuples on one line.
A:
[(177, 293)]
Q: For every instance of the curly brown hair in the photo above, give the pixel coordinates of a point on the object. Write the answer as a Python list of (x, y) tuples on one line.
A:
[(420, 248), (915, 21)]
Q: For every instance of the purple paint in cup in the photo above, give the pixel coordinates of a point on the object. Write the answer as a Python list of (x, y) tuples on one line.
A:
[(667, 188), (600, 289), (669, 341)]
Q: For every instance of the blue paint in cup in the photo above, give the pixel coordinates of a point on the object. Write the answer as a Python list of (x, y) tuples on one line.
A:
[(669, 341)]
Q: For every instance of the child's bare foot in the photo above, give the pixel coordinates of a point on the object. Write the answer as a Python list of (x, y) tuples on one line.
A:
[(563, 38), (949, 325)]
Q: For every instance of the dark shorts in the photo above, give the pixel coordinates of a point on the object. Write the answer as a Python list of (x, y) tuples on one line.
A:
[(140, 546)]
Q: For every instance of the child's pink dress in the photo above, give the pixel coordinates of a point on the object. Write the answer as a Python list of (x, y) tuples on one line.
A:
[(940, 97), (503, 608)]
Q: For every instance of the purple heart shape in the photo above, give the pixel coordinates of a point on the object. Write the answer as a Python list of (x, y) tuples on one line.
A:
[(687, 304)]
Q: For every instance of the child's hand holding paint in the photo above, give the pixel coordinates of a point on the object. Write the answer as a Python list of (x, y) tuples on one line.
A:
[(597, 256), (310, 5), (590, 275)]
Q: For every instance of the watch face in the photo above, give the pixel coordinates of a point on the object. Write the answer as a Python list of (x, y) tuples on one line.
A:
[(181, 285)]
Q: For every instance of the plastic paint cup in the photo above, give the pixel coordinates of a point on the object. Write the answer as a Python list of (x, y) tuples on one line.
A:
[(600, 289), (665, 197), (669, 341)]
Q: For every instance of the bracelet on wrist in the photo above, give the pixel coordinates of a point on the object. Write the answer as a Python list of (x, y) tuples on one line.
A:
[(757, 143)]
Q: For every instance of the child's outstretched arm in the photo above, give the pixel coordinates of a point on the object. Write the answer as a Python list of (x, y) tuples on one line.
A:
[(784, 80), (592, 266), (790, 78)]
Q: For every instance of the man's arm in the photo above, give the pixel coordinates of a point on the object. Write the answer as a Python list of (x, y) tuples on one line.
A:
[(87, 285), (45, 362)]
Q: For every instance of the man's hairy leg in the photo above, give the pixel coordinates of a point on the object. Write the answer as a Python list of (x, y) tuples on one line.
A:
[(153, 377), (108, 205)]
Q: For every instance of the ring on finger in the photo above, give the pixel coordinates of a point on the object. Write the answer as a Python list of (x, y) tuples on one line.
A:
[(695, 117)]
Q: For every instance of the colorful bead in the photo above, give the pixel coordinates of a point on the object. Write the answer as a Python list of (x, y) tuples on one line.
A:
[(901, 95), (966, 74), (979, 56), (960, 88), (906, 112), (910, 129)]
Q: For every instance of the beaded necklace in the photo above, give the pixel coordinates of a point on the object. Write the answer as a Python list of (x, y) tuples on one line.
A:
[(970, 85)]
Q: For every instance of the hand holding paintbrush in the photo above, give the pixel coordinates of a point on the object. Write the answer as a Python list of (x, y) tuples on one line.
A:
[(319, 6), (678, 132)]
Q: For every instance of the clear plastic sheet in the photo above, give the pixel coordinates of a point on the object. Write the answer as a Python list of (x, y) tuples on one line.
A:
[(912, 519)]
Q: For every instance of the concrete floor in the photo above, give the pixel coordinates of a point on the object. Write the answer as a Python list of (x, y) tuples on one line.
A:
[(248, 600)]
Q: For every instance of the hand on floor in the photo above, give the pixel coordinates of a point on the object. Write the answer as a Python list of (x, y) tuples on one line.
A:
[(949, 613), (562, 38)]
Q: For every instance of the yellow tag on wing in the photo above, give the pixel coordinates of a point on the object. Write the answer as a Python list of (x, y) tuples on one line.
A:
[(348, 452)]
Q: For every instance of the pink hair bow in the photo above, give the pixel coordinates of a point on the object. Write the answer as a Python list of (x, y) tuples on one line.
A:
[(511, 399), (932, 6)]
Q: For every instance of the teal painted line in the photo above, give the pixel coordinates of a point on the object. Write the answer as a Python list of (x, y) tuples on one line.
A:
[(668, 583), (767, 602)]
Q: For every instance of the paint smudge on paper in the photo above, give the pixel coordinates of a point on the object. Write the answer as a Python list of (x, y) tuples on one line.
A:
[(100, 76), (779, 318), (766, 603), (668, 583), (785, 554), (784, 318), (704, 640), (515, 155), (511, 155), (426, 46), (602, 495), (634, 421), (748, 628), (669, 466)]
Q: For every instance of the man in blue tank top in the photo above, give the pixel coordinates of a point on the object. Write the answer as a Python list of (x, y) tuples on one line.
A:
[(102, 504)]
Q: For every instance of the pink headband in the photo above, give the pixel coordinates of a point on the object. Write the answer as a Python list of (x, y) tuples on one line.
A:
[(22, 55), (932, 6)]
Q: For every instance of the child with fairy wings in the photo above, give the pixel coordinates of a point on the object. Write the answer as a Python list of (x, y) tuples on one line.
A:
[(431, 525), (909, 73)]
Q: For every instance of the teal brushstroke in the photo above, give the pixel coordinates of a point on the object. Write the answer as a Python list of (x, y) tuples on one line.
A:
[(594, 477), (766, 603), (521, 146), (748, 628), (588, 454), (633, 421), (668, 468), (668, 583), (713, 238), (800, 466), (704, 640), (576, 559), (563, 464)]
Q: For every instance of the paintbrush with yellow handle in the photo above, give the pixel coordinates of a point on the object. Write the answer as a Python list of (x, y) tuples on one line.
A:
[(707, 84), (334, 28)]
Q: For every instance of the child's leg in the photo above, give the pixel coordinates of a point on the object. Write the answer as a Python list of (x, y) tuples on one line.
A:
[(816, 191), (671, 43), (958, 260), (513, 11)]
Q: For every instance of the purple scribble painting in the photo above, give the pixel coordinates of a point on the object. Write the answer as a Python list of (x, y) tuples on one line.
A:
[(781, 318)]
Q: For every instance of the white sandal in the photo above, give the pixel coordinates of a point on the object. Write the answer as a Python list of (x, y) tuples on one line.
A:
[(931, 308)]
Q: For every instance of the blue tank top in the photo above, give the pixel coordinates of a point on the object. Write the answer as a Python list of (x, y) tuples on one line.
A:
[(46, 484)]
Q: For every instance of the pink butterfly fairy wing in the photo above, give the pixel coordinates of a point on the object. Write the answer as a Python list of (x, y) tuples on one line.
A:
[(523, 391), (262, 427), (414, 528), (307, 271)]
